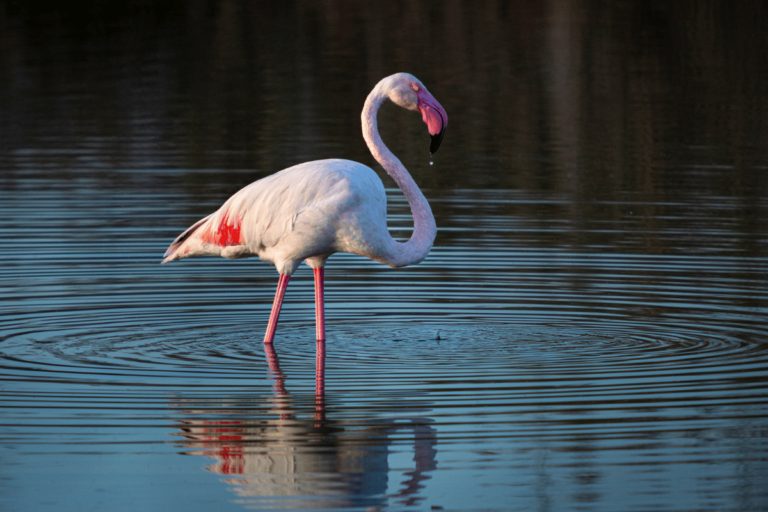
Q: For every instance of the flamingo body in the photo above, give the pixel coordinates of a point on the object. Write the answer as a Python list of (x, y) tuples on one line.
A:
[(312, 210), (305, 212)]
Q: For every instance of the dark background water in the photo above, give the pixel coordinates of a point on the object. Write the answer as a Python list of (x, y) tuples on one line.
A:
[(598, 284)]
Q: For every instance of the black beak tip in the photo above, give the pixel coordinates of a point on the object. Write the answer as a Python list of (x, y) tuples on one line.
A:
[(438, 137), (436, 140)]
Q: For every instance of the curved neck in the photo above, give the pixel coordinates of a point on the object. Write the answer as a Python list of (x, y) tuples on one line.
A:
[(424, 229)]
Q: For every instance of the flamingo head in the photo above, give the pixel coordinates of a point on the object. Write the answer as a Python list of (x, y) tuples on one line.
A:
[(408, 92)]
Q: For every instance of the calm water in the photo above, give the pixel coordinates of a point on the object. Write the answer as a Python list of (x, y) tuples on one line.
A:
[(590, 331)]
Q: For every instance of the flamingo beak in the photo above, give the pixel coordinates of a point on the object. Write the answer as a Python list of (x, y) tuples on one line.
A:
[(437, 139), (433, 114)]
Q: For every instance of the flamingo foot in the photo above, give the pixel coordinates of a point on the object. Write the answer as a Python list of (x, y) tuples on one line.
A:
[(282, 284)]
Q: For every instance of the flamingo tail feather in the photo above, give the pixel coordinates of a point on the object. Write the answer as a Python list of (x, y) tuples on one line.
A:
[(170, 254)]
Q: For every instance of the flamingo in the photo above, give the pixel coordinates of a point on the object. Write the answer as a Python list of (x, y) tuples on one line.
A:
[(312, 210)]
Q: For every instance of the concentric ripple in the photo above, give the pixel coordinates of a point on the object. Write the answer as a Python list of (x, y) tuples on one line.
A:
[(574, 367)]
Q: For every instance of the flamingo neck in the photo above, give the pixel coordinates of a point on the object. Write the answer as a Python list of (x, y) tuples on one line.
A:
[(424, 229)]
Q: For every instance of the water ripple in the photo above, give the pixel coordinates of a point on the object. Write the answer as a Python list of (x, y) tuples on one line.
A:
[(488, 355)]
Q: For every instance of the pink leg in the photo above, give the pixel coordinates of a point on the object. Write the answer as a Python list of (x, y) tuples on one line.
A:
[(320, 304), (320, 345), (274, 368), (277, 374), (320, 382), (282, 284)]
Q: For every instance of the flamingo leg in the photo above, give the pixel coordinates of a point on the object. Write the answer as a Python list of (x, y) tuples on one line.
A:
[(279, 377), (274, 369), (320, 303), (320, 382), (282, 284)]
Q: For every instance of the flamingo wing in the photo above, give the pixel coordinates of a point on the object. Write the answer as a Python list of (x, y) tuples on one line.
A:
[(286, 217), (222, 232)]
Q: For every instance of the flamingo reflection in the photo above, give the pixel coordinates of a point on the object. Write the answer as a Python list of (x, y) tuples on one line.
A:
[(284, 451)]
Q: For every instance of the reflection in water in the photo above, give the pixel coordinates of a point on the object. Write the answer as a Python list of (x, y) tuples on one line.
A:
[(293, 455)]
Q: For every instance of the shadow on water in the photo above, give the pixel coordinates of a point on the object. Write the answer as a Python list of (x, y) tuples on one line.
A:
[(290, 453)]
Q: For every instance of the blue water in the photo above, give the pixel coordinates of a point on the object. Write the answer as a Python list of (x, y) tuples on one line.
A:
[(590, 330)]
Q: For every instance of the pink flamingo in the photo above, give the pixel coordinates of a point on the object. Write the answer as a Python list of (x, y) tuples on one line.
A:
[(312, 210)]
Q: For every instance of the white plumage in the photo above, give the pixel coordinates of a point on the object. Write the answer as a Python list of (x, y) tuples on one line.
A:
[(312, 210)]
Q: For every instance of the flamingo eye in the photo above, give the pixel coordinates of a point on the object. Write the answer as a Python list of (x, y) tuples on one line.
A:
[(415, 87)]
